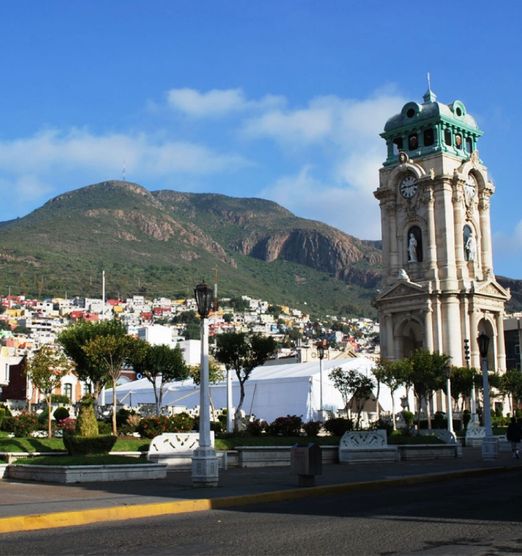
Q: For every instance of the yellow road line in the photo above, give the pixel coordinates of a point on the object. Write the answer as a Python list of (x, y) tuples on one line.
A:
[(118, 513)]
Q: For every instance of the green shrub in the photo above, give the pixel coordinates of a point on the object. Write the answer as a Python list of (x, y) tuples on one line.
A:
[(257, 427), (8, 423), (338, 426), (86, 445), (286, 426), (25, 424), (439, 420), (60, 413), (182, 422), (86, 424), (383, 424), (43, 417), (150, 427), (60, 398), (312, 428), (104, 427), (408, 417)]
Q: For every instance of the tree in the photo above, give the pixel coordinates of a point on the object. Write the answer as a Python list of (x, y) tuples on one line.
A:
[(463, 379), (76, 337), (511, 386), (393, 374), (352, 383), (159, 365), (243, 353), (215, 372), (45, 371), (109, 353), (427, 376)]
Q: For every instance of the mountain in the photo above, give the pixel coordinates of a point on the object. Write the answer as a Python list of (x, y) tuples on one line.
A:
[(164, 242)]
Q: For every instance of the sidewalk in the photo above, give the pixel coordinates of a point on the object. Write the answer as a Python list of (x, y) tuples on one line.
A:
[(27, 506)]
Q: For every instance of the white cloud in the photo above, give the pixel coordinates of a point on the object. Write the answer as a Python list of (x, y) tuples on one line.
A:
[(80, 150), (301, 126), (216, 102), (348, 209), (341, 138)]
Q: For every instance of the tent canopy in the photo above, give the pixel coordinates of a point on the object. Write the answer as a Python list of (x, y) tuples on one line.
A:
[(270, 392)]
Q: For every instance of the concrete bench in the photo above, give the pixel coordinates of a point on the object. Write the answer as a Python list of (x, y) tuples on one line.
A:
[(366, 447), (266, 456), (175, 449), (429, 451)]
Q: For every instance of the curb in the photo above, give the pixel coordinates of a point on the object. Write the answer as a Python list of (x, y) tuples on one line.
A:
[(33, 522)]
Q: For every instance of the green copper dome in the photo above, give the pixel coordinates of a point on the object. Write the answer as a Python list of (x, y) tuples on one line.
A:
[(430, 127)]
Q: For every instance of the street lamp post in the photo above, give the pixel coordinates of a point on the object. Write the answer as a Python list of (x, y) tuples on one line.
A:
[(204, 460), (489, 444), (449, 412), (322, 346)]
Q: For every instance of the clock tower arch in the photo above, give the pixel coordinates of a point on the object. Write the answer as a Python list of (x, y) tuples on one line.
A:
[(434, 193)]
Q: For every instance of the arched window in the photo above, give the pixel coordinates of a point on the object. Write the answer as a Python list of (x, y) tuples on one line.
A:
[(67, 390), (470, 244), (413, 142), (429, 137), (414, 245), (447, 136)]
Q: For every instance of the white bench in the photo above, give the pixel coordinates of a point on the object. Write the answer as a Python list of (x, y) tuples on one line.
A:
[(366, 447), (176, 449)]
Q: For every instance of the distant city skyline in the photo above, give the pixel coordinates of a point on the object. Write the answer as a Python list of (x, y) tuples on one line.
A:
[(281, 100)]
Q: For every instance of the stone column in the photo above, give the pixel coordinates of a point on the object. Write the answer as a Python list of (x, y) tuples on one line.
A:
[(452, 331), (501, 348), (462, 270), (445, 236), (428, 327), (437, 328), (473, 335), (394, 249), (485, 234), (390, 346), (431, 251)]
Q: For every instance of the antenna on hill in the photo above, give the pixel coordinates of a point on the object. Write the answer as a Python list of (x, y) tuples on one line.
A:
[(124, 171), (103, 294), (215, 302)]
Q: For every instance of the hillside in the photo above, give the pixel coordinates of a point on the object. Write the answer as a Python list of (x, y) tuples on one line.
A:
[(163, 243)]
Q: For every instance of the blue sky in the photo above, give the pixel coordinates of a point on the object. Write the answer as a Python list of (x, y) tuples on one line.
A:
[(281, 99)]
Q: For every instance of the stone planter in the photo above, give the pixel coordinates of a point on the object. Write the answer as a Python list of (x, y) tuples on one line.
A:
[(86, 473)]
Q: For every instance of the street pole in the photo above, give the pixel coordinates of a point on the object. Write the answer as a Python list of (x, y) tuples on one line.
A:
[(449, 405), (204, 460), (230, 417), (473, 396), (489, 444), (321, 346)]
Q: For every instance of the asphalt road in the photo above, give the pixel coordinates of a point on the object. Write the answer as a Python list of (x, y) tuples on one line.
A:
[(479, 516)]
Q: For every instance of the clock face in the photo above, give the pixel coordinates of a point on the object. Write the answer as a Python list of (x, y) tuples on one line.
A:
[(470, 187), (408, 187)]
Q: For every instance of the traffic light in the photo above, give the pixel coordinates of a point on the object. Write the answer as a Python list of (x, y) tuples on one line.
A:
[(466, 350)]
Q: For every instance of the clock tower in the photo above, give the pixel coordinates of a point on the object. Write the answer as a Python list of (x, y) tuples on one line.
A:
[(439, 291)]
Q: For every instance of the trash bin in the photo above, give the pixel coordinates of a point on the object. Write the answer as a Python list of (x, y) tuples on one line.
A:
[(306, 462)]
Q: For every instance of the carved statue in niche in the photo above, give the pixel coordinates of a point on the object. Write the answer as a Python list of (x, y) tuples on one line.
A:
[(470, 244), (412, 248), (414, 245)]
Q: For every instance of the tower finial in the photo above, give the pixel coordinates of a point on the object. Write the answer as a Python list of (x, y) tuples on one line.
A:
[(429, 96)]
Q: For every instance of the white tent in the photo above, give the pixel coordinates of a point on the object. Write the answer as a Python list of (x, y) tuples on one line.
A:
[(270, 392)]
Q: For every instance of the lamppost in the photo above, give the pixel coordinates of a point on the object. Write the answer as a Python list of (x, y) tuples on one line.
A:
[(449, 412), (322, 346), (489, 444), (204, 460)]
